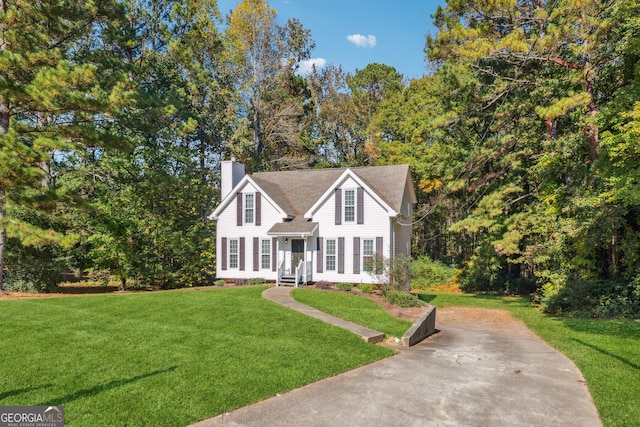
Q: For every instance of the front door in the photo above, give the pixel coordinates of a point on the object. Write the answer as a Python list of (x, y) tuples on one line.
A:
[(297, 253)]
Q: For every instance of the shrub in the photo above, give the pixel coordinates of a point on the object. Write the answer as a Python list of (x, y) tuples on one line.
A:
[(392, 273), (367, 288), (256, 281), (599, 299), (344, 286), (428, 274), (323, 285), (403, 299), (21, 285), (239, 282), (220, 282)]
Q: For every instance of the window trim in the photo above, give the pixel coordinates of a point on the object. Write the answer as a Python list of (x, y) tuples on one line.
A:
[(328, 254), (265, 243), (345, 205), (247, 208), (365, 256), (231, 254)]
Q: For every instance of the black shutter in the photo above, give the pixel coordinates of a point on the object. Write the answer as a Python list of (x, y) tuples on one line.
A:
[(223, 253), (258, 209), (356, 255), (274, 253), (239, 209), (241, 256), (320, 256), (256, 253), (338, 197), (360, 206), (340, 255)]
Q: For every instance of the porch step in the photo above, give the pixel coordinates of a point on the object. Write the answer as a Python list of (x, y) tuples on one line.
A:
[(290, 280)]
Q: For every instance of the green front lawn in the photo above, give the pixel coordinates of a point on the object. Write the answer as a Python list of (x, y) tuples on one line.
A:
[(166, 358), (353, 308)]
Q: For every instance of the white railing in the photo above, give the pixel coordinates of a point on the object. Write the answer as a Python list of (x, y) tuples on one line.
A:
[(308, 272), (303, 272), (300, 273), (280, 272)]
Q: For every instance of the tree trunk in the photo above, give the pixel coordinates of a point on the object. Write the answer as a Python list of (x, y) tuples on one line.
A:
[(3, 239)]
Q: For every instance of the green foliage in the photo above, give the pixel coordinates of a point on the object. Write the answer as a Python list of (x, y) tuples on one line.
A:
[(596, 299), (392, 273), (256, 281), (366, 288), (220, 282), (427, 274), (344, 286), (402, 299)]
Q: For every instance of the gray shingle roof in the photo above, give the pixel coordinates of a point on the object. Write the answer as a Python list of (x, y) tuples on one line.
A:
[(297, 191), (298, 226)]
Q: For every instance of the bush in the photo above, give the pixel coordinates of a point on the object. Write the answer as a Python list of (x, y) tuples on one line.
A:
[(344, 286), (428, 274), (403, 299), (598, 299), (367, 288), (239, 282), (256, 281), (220, 282), (323, 285), (21, 285)]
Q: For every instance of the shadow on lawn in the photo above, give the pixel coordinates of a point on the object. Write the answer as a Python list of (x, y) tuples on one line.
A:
[(15, 392), (606, 353), (100, 388)]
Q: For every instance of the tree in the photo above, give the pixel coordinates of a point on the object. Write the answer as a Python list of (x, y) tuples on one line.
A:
[(266, 57), (55, 96)]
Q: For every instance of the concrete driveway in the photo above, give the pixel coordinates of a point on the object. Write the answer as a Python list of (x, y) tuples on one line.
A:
[(482, 369)]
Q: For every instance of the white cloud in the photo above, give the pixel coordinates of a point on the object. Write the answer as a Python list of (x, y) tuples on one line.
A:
[(306, 66), (362, 41)]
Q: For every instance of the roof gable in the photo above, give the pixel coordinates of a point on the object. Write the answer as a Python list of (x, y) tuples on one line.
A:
[(247, 179), (300, 192)]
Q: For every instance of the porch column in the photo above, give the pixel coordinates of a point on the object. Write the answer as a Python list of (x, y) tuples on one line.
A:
[(304, 278), (278, 261)]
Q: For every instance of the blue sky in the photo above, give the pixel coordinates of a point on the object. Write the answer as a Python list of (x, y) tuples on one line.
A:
[(354, 33)]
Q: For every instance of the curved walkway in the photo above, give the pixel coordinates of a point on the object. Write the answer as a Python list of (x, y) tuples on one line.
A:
[(474, 372)]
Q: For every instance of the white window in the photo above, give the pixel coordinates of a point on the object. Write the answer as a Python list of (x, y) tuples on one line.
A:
[(331, 255), (349, 205), (248, 208), (266, 253), (367, 254), (233, 253)]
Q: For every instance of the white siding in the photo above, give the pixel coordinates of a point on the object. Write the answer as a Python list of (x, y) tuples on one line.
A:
[(227, 227), (376, 224)]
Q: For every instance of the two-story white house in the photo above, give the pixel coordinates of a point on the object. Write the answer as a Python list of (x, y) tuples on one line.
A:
[(311, 225)]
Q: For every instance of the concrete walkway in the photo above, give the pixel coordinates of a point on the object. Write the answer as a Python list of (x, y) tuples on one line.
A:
[(471, 373), (281, 295)]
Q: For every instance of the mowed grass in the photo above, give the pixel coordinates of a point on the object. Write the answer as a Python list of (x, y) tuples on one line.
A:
[(607, 352), (166, 358), (353, 308)]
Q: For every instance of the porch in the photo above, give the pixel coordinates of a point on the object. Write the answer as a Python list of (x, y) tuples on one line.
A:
[(294, 253)]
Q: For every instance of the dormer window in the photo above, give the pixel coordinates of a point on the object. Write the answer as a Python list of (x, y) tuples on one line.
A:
[(349, 206), (248, 208)]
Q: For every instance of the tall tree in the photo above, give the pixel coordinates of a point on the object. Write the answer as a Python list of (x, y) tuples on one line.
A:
[(266, 57), (54, 95)]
